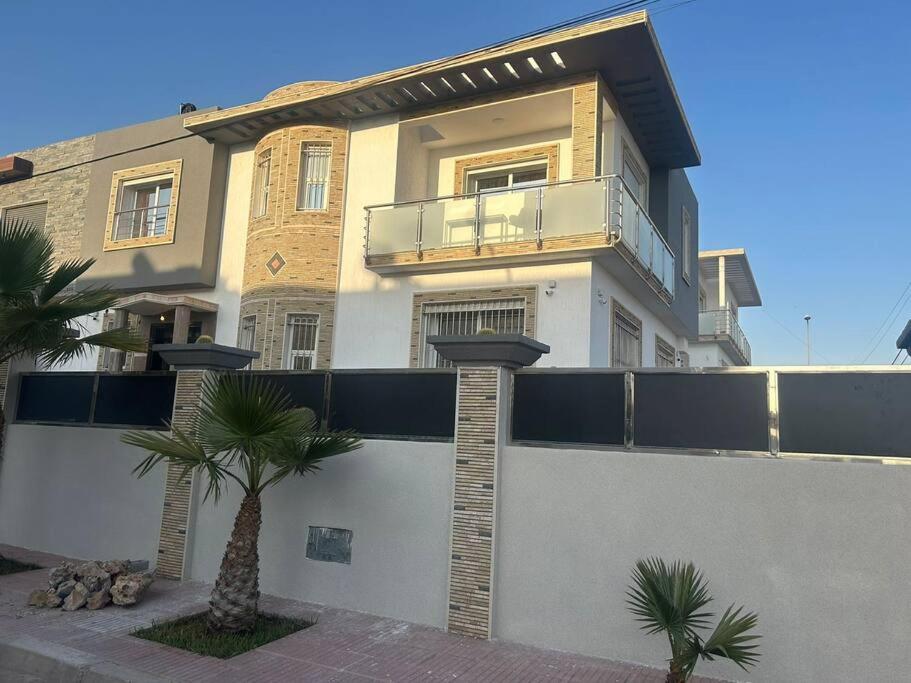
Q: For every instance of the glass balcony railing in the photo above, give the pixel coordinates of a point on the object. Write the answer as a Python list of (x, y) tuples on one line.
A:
[(723, 322), (533, 214)]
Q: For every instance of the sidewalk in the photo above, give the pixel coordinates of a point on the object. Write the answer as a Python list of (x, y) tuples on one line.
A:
[(343, 646)]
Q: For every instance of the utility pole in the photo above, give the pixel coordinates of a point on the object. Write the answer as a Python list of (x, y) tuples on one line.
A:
[(807, 318)]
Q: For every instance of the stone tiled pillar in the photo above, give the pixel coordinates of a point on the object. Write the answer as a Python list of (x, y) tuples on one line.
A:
[(477, 440), (176, 527)]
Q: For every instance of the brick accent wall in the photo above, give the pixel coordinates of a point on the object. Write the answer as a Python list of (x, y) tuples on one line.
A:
[(474, 502), (588, 100), (308, 242), (65, 191), (175, 515), (529, 293), (551, 153), (271, 306)]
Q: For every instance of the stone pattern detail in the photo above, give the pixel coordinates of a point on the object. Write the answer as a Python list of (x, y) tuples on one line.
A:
[(64, 191), (549, 152), (474, 502), (529, 293), (309, 242), (175, 515), (588, 99)]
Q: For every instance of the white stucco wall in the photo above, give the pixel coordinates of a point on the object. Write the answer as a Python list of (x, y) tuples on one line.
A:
[(708, 355), (819, 549), (395, 498), (71, 491), (232, 246)]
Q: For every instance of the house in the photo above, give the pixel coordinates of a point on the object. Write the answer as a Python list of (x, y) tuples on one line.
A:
[(726, 285), (537, 186)]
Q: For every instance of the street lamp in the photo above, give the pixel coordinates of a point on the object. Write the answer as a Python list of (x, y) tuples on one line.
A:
[(807, 319)]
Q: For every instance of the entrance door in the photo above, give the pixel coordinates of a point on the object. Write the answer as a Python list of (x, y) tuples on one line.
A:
[(159, 333)]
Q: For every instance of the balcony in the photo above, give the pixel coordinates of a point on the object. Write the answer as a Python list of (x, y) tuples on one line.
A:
[(576, 218), (722, 327)]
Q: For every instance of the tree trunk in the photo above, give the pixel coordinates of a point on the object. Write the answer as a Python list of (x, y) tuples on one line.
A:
[(675, 676), (232, 606)]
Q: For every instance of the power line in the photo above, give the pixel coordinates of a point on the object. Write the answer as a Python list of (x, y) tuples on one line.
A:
[(884, 327), (896, 357), (800, 339)]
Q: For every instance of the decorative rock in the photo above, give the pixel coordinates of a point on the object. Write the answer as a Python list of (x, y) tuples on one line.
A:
[(38, 598), (129, 588), (116, 567), (53, 600), (76, 599), (58, 575), (65, 588), (99, 599)]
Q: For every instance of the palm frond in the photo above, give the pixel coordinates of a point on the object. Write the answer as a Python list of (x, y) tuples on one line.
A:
[(67, 348), (668, 597), (181, 449), (731, 639), (26, 259), (63, 276)]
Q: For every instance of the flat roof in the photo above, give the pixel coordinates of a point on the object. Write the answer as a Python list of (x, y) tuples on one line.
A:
[(624, 50), (737, 273)]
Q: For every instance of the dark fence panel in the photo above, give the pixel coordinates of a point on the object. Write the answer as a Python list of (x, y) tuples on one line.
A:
[(306, 389), (845, 413), (726, 411), (135, 400), (406, 403), (59, 397), (573, 407)]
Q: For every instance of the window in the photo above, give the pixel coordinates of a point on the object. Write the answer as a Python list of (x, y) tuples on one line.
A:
[(300, 341), (665, 354), (247, 336), (263, 174), (634, 176), (504, 316), (626, 339), (34, 214), (703, 305), (313, 183), (143, 206), (686, 251), (507, 178)]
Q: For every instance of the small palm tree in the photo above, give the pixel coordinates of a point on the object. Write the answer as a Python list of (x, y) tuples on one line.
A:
[(671, 599), (246, 431), (39, 309)]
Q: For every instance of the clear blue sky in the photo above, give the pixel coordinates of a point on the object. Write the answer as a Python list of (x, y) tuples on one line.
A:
[(802, 111)]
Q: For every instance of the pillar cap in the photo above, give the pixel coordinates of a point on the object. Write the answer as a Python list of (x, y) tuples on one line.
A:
[(499, 350), (204, 356)]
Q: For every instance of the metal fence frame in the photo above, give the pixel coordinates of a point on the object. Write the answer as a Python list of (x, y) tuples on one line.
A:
[(771, 373)]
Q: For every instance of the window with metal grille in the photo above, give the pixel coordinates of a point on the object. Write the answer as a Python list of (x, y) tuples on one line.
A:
[(313, 184), (300, 341), (665, 354), (626, 339), (504, 316), (34, 214), (635, 178), (247, 336), (261, 183), (142, 208)]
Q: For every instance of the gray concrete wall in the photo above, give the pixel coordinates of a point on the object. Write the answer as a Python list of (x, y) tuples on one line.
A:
[(192, 259), (71, 491), (394, 496), (820, 549)]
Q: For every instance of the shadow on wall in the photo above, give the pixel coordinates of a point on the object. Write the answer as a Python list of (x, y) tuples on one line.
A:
[(144, 276)]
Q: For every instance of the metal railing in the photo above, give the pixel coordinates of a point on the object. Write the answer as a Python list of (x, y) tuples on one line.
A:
[(724, 322), (149, 221), (604, 205)]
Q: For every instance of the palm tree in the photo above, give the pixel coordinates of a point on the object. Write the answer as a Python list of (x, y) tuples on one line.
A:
[(39, 309), (247, 432), (671, 599)]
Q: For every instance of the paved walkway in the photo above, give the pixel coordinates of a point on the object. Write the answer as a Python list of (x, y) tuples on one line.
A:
[(343, 646)]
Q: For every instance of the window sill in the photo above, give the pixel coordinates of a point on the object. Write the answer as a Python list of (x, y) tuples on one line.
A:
[(138, 242)]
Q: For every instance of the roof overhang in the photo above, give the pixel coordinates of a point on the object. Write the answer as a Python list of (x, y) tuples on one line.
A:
[(904, 339), (151, 303), (737, 274), (624, 50), (14, 168)]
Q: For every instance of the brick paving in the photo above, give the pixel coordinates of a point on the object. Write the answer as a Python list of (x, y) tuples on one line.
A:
[(343, 646)]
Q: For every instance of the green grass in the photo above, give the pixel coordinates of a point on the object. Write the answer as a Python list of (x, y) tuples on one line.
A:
[(192, 633), (10, 566)]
